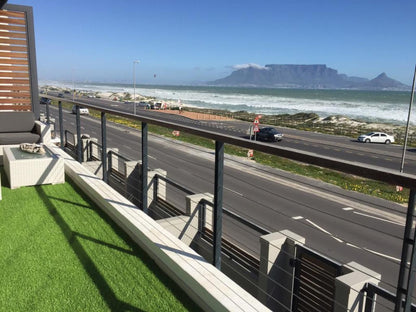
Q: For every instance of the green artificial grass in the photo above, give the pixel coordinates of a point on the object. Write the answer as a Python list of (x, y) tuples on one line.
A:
[(60, 253)]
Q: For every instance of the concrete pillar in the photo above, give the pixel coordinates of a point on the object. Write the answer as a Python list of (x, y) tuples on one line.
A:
[(348, 296), (276, 274)]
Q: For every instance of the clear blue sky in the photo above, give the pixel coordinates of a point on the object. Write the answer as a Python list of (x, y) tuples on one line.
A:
[(191, 41)]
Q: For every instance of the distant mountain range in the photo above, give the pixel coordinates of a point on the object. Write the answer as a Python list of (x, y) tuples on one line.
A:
[(305, 77)]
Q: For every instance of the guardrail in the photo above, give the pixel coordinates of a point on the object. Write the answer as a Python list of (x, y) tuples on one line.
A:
[(405, 285)]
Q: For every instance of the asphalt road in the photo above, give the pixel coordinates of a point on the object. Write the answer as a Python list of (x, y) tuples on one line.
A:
[(342, 225)]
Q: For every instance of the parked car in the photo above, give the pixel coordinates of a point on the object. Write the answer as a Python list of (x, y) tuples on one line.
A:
[(60, 95), (82, 110), (376, 137), (269, 134), (44, 100)]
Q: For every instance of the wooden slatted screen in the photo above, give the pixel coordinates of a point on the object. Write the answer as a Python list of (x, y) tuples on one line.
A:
[(314, 289), (15, 93)]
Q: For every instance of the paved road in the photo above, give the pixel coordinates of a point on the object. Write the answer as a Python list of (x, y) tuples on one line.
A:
[(342, 225), (341, 147)]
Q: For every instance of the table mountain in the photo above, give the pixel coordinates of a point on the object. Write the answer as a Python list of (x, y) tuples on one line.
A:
[(304, 76)]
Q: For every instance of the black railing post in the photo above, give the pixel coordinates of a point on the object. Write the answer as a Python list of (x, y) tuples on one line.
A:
[(369, 301), (201, 217), (144, 167), (218, 190), (79, 142), (104, 145), (61, 124), (48, 118), (412, 269), (155, 187), (402, 291), (110, 161)]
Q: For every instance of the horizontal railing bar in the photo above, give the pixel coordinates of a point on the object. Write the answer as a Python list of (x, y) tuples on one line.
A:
[(237, 217), (175, 184), (118, 155), (393, 177), (385, 294)]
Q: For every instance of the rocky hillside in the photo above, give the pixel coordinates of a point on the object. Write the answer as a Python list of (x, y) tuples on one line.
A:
[(305, 76)]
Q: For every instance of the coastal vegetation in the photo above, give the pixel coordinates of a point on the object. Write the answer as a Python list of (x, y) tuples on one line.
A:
[(299, 121)]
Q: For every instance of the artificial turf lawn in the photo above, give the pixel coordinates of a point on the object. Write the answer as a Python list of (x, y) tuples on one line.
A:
[(60, 253)]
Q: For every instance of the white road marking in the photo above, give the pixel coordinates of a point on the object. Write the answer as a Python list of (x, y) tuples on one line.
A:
[(382, 255), (234, 191), (318, 227), (297, 218), (377, 218), (351, 245), (325, 231), (347, 208)]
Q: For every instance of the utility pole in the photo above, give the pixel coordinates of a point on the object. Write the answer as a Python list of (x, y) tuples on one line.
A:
[(408, 121)]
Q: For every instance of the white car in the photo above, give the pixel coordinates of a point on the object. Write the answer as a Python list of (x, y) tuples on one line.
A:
[(376, 137), (82, 110)]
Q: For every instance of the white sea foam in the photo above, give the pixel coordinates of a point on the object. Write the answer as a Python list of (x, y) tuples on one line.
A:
[(267, 104)]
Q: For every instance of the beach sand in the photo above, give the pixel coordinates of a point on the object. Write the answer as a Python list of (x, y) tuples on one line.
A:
[(195, 115)]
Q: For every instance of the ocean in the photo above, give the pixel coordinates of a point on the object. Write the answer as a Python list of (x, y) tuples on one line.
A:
[(372, 106)]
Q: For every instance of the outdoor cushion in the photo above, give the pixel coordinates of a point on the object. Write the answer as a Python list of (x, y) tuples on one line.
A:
[(17, 122), (18, 137)]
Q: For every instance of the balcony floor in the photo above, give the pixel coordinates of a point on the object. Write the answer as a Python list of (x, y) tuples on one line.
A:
[(59, 252)]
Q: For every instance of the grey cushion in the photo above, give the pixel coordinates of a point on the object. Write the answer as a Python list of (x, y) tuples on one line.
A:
[(19, 137), (17, 121)]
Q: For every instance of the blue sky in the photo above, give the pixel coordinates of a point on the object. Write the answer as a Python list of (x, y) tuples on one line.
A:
[(184, 42)]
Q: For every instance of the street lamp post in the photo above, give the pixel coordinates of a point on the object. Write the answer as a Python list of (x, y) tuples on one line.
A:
[(134, 86), (408, 121)]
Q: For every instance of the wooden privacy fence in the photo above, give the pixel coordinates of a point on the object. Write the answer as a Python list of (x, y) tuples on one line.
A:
[(18, 78)]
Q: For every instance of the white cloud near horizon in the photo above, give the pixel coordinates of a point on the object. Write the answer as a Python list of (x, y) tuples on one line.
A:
[(248, 65)]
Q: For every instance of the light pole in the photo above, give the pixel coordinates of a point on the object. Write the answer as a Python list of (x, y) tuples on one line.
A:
[(408, 121), (134, 85)]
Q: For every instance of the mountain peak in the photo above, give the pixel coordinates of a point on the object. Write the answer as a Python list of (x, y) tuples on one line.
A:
[(382, 75), (316, 76)]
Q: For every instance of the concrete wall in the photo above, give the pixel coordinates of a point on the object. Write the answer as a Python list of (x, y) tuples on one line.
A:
[(276, 276)]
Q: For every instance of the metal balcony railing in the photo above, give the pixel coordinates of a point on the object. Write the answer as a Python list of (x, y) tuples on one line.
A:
[(405, 285)]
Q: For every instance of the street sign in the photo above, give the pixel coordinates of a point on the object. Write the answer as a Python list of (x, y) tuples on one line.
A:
[(250, 153), (256, 121), (256, 128), (175, 133)]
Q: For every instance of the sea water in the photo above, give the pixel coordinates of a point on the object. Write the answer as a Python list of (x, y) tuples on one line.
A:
[(374, 106)]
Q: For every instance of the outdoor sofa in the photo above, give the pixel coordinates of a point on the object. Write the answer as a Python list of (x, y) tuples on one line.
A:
[(21, 127)]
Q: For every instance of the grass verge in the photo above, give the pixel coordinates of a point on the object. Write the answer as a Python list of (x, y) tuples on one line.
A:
[(60, 253)]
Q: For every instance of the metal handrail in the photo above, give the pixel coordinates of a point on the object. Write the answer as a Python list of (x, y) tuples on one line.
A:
[(373, 290), (392, 177), (175, 184), (239, 218)]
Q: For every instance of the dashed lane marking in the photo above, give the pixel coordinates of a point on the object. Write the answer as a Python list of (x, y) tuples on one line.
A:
[(377, 218), (382, 255), (297, 218), (347, 208), (325, 231), (234, 191)]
